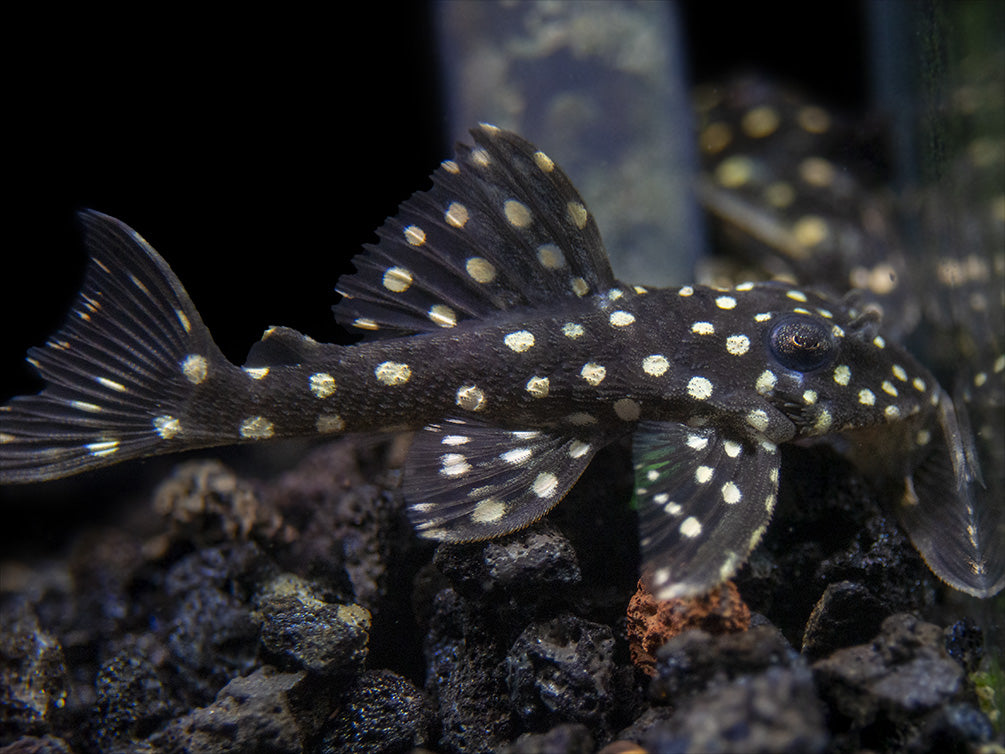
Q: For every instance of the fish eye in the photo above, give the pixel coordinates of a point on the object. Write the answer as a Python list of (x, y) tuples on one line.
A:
[(802, 343)]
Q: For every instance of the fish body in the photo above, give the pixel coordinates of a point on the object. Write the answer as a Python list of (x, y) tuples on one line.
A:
[(498, 332)]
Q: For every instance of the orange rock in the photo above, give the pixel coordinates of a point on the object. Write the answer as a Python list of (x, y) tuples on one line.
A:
[(652, 622)]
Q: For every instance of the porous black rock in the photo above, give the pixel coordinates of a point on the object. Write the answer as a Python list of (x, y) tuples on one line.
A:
[(299, 630), (465, 675), (533, 559), (847, 613), (132, 701), (380, 713), (965, 643), (267, 711), (211, 630), (33, 676), (562, 670)]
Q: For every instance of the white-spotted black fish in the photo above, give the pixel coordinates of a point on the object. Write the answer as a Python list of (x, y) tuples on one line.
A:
[(502, 336)]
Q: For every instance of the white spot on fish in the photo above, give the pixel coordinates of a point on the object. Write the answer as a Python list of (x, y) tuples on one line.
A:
[(577, 214), (758, 419), (573, 330), (328, 423), (550, 256), (480, 269), (195, 368), (454, 464), (765, 382), (519, 341), (415, 235), (392, 373), (593, 373), (516, 456), (470, 398), (737, 345), (627, 409), (103, 448), (488, 511), (690, 527), (442, 315), (517, 213), (456, 214), (545, 485), (322, 384), (621, 318), (544, 162), (397, 279), (538, 386), (256, 428), (696, 442), (166, 426), (655, 365), (699, 388), (731, 493)]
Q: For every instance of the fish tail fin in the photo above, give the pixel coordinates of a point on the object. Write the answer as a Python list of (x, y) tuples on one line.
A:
[(122, 374)]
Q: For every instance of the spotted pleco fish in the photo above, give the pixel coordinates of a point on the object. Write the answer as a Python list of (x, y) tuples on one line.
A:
[(498, 332)]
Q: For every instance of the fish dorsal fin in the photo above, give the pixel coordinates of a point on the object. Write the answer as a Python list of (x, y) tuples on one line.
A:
[(466, 481), (704, 501), (280, 346), (501, 228)]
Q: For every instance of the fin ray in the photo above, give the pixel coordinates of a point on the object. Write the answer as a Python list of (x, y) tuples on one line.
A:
[(113, 370), (704, 501), (467, 481), (501, 228)]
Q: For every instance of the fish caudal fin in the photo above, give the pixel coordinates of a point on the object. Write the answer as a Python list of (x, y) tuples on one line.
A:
[(122, 372)]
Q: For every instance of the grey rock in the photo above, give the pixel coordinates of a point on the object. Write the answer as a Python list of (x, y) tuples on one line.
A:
[(902, 674), (561, 671), (267, 712), (694, 660), (774, 712), (570, 738), (381, 713)]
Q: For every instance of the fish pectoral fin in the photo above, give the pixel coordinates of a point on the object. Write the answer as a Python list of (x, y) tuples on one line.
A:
[(466, 481), (704, 500), (953, 520)]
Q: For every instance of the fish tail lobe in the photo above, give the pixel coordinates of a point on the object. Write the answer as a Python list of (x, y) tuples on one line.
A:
[(122, 374)]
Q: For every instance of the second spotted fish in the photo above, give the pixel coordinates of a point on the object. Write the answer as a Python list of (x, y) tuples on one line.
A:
[(498, 331)]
